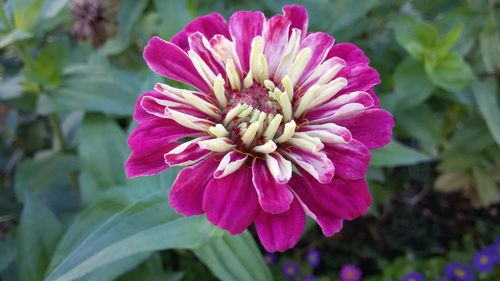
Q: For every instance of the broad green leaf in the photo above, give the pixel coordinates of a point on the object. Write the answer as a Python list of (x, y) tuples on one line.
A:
[(411, 84), (472, 138), (151, 270), (14, 36), (423, 124), (449, 72), (234, 258), (51, 8), (38, 234), (26, 13), (103, 151), (174, 16), (486, 188), (94, 88), (486, 95), (456, 18), (56, 190), (116, 227), (7, 253), (49, 64), (128, 15), (444, 45), (11, 88), (397, 154), (415, 36), (115, 269), (453, 181), (489, 42)]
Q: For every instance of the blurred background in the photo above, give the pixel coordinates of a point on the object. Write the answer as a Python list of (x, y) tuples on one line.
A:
[(71, 72)]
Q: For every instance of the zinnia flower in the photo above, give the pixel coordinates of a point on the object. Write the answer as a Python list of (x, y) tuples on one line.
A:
[(484, 260), (279, 124), (413, 276), (456, 271), (350, 272)]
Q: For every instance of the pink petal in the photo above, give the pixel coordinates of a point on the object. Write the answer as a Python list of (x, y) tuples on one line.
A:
[(326, 111), (297, 15), (208, 25), (273, 197), (350, 53), (279, 167), (200, 44), (275, 36), (372, 127), (244, 26), (186, 194), (350, 160), (231, 202), (229, 164), (282, 231), (320, 43), (187, 153), (170, 61), (331, 203), (149, 142), (141, 115), (359, 78), (316, 164), (327, 133)]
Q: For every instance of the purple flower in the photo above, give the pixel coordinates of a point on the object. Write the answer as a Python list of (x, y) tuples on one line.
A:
[(496, 250), (313, 257), (290, 269), (270, 258), (413, 276), (280, 123), (350, 272), (456, 271), (308, 277), (484, 260)]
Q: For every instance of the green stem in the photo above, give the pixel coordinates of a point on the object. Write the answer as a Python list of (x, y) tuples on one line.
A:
[(55, 123)]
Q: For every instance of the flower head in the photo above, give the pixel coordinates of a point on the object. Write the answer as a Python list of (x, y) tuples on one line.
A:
[(290, 269), (279, 124), (313, 257), (350, 272), (413, 276), (92, 19), (456, 271), (484, 260)]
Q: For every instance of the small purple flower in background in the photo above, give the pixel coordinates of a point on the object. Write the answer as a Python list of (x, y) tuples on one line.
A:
[(313, 257), (413, 276), (290, 269), (350, 272), (456, 271), (441, 279), (484, 260), (496, 250), (308, 277), (270, 258)]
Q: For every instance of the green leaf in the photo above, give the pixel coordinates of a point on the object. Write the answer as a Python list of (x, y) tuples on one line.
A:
[(449, 72), (486, 188), (489, 42), (94, 88), (51, 8), (7, 253), (129, 13), (151, 270), (444, 45), (11, 88), (103, 151), (48, 67), (117, 227), (174, 16), (407, 76), (14, 36), (55, 190), (397, 154), (234, 258), (26, 13), (486, 95), (415, 36), (421, 123), (38, 234)]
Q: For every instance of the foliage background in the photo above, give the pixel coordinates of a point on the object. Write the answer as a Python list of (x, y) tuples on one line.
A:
[(67, 211)]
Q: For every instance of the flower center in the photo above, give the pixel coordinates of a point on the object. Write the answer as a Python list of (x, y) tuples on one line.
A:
[(484, 260), (256, 96), (459, 273)]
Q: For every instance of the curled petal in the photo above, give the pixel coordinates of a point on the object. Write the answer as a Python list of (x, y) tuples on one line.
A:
[(298, 17), (231, 202), (279, 167), (186, 194), (316, 164), (349, 52), (208, 25), (186, 153), (328, 133), (243, 27), (280, 232), (202, 47), (350, 159), (275, 36), (273, 197), (320, 43), (229, 164)]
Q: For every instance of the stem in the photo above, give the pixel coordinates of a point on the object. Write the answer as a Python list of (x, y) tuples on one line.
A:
[(55, 123)]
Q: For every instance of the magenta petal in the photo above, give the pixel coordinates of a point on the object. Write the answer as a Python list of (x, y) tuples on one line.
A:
[(140, 114), (350, 160), (316, 164), (273, 197), (282, 231), (149, 142), (331, 203), (349, 52), (201, 46), (208, 25), (325, 112), (244, 26), (372, 127), (319, 43), (275, 38), (359, 78), (187, 153), (231, 202), (186, 194), (297, 15), (170, 61)]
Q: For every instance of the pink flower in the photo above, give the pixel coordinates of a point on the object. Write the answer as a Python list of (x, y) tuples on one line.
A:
[(279, 124)]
